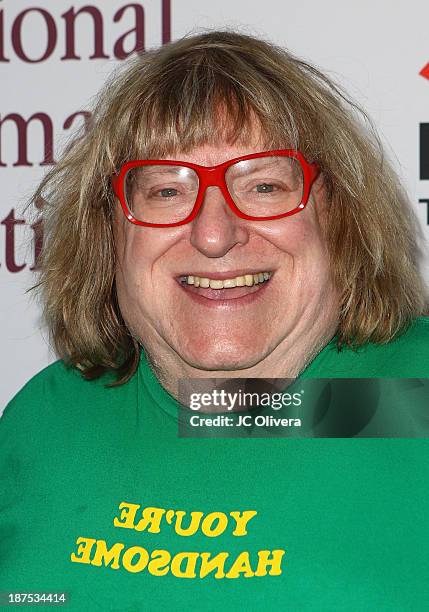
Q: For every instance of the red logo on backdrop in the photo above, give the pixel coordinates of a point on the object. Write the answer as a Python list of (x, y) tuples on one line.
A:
[(424, 72)]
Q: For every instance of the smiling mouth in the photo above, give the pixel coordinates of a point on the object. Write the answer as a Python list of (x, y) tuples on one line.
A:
[(246, 280), (225, 289)]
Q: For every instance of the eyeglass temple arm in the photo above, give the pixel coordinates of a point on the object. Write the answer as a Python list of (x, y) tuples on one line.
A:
[(114, 179), (314, 170)]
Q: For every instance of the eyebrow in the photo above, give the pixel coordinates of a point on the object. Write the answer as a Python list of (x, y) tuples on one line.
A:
[(253, 163)]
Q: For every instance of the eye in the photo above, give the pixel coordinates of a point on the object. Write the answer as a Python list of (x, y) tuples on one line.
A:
[(168, 192), (264, 188)]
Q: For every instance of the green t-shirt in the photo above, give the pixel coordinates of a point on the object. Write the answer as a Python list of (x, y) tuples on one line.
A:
[(101, 499)]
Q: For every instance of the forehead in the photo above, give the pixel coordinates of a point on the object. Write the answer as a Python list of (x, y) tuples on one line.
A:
[(223, 148), (214, 154)]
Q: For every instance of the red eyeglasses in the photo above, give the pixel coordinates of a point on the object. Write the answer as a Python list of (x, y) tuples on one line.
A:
[(167, 193)]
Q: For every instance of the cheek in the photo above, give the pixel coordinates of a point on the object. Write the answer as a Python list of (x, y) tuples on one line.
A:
[(136, 251), (297, 236), (305, 268), (141, 256), (131, 265)]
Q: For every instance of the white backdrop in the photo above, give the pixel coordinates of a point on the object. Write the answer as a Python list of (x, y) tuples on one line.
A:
[(376, 50)]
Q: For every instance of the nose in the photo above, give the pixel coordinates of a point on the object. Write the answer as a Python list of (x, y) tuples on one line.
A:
[(216, 229)]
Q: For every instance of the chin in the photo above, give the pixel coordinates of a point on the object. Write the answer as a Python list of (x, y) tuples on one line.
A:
[(218, 359)]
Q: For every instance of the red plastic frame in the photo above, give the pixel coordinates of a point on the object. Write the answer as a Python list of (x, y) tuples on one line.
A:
[(215, 176)]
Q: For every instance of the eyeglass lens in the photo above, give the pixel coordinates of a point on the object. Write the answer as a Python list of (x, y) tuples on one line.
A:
[(260, 187)]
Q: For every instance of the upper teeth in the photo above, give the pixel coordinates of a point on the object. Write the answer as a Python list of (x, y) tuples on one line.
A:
[(247, 280)]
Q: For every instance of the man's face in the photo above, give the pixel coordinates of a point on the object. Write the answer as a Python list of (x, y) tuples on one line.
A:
[(181, 325)]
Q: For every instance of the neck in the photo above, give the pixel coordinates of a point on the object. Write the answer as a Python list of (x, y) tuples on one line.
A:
[(287, 360)]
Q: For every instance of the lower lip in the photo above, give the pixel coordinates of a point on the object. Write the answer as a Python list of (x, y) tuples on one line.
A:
[(256, 293)]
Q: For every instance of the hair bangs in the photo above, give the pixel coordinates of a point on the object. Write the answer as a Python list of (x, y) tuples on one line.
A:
[(204, 104)]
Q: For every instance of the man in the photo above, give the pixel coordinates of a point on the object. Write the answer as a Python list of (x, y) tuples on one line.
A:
[(225, 217)]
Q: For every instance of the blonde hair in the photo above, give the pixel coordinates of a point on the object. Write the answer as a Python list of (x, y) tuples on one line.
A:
[(168, 100)]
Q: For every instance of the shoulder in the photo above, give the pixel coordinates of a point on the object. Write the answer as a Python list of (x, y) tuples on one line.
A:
[(415, 337), (54, 375), (413, 343), (54, 381), (58, 392), (406, 356)]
